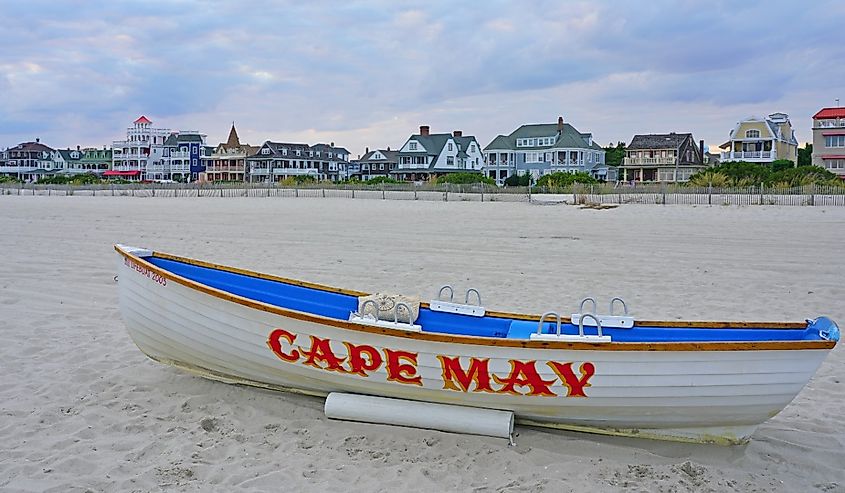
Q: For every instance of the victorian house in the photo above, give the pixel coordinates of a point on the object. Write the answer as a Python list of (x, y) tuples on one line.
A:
[(275, 161), (829, 140), (761, 140), (671, 157), (540, 149), (425, 156), (29, 161), (374, 164), (143, 149), (227, 161)]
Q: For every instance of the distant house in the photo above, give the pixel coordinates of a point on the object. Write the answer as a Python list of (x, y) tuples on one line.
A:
[(143, 147), (829, 140), (181, 158), (425, 155), (227, 161), (29, 161), (671, 157), (373, 164), (275, 161), (540, 149), (762, 140)]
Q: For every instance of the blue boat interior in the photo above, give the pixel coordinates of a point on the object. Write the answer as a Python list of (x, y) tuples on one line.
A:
[(339, 306)]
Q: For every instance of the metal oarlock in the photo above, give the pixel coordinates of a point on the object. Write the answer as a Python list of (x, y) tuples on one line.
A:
[(543, 317), (477, 296), (465, 308), (451, 293), (581, 324), (373, 319), (620, 300), (624, 321)]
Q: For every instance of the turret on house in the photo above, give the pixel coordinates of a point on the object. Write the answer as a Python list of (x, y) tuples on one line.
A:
[(540, 149), (227, 161)]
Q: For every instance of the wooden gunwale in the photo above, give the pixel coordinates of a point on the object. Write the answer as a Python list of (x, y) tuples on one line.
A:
[(472, 340)]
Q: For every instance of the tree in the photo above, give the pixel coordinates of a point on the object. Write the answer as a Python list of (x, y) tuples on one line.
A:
[(614, 155), (805, 155), (782, 164)]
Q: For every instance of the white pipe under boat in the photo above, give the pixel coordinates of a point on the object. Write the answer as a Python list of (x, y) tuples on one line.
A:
[(416, 414)]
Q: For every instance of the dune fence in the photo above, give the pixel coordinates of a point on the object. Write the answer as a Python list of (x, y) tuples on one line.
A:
[(656, 194)]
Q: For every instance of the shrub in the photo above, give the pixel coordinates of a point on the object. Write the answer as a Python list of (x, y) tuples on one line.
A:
[(523, 180), (465, 178), (561, 179), (381, 179)]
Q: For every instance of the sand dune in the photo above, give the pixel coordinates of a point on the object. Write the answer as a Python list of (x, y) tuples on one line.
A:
[(82, 409)]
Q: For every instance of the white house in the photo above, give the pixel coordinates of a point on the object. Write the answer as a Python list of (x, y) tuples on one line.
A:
[(425, 155)]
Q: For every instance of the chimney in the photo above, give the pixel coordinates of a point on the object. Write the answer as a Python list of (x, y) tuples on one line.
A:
[(457, 133), (560, 124), (37, 140), (701, 148), (424, 129), (332, 144), (388, 148), (366, 150), (77, 148)]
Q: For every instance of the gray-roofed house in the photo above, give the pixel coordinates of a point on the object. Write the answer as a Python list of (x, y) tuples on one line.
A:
[(181, 160), (29, 161), (372, 164), (275, 161), (425, 155), (540, 149), (671, 157)]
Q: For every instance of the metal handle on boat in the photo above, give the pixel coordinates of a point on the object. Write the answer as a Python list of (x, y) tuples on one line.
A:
[(364, 309), (477, 295), (396, 312), (451, 293), (543, 316), (589, 298), (620, 300), (581, 324)]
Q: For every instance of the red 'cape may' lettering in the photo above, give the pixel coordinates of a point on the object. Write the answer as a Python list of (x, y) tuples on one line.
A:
[(399, 366)]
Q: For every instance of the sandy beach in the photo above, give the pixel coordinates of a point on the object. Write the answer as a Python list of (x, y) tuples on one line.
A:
[(82, 409)]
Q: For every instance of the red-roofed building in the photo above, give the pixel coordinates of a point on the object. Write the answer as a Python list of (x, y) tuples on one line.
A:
[(829, 140), (142, 152)]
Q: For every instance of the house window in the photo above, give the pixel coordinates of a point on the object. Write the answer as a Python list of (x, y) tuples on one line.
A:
[(450, 161), (412, 146), (450, 147), (265, 151), (834, 141), (752, 134), (381, 166), (472, 148)]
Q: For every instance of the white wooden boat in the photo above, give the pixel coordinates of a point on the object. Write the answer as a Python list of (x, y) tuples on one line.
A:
[(688, 381)]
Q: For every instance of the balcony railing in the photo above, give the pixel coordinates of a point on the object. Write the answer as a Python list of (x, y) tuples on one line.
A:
[(650, 160), (747, 155)]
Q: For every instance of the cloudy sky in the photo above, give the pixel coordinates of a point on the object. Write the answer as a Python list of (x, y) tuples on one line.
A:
[(368, 73)]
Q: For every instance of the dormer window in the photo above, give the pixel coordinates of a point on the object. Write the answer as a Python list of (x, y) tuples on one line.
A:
[(265, 151), (752, 134)]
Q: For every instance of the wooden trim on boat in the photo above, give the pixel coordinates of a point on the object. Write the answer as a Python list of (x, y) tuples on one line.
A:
[(461, 339)]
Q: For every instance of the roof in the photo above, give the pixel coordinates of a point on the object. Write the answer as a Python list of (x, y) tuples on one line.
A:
[(568, 138), (233, 141), (180, 138), (66, 154), (830, 113), (32, 147), (389, 156), (142, 119), (434, 143), (671, 140)]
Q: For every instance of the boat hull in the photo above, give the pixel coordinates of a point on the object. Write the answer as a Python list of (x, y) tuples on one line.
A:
[(701, 396)]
